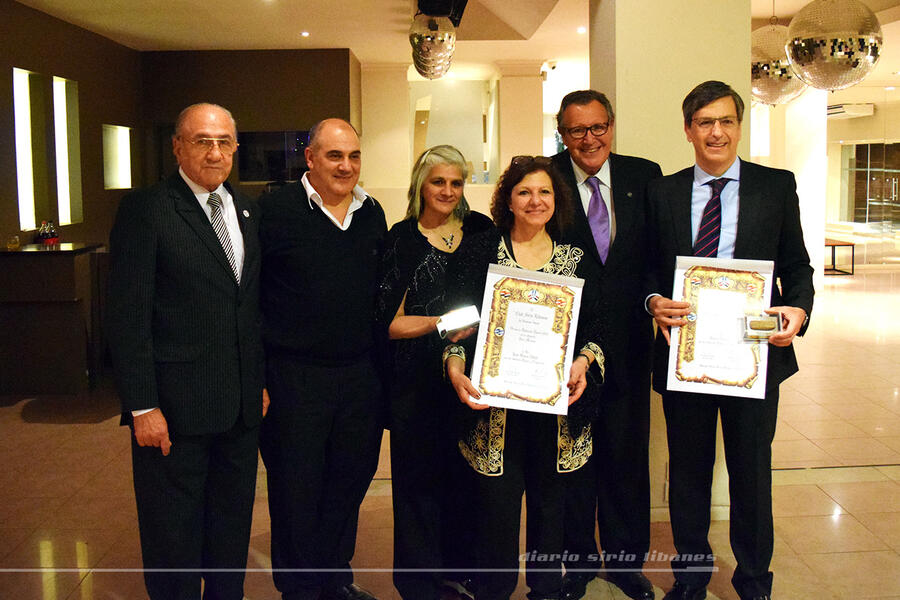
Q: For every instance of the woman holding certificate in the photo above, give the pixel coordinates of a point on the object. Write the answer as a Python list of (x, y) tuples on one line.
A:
[(425, 466), (519, 451)]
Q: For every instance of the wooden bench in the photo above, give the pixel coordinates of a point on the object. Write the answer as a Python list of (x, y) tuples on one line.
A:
[(833, 269)]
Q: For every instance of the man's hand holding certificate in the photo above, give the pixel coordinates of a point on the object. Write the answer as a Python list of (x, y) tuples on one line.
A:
[(720, 326)]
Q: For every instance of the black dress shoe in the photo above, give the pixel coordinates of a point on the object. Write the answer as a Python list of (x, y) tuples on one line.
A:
[(633, 584), (682, 591), (574, 585), (347, 592)]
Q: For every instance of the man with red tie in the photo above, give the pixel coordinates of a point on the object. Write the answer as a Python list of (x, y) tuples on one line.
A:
[(727, 208)]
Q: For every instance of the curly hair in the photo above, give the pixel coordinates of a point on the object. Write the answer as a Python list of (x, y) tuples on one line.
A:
[(518, 169)]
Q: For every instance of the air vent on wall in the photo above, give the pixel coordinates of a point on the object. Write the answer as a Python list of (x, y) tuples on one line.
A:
[(850, 111)]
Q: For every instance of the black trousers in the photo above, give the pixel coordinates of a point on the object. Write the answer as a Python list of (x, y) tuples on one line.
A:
[(195, 507), (320, 445), (748, 427), (529, 466), (431, 489), (614, 487)]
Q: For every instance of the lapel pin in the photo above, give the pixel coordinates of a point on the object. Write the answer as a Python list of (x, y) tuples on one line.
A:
[(246, 213)]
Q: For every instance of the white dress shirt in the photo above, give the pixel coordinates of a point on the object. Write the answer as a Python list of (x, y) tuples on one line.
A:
[(356, 202)]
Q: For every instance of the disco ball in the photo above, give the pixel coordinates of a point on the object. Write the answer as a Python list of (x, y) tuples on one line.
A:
[(433, 40), (771, 79), (833, 44)]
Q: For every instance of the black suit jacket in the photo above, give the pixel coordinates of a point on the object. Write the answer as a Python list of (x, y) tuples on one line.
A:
[(768, 229), (628, 328), (183, 335)]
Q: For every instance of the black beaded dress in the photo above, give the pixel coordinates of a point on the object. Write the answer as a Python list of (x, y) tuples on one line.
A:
[(427, 474)]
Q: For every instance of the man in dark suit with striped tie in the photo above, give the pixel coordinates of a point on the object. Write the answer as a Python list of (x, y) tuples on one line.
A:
[(184, 335), (727, 208)]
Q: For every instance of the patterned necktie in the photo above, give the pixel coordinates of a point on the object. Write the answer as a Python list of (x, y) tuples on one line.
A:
[(707, 243), (218, 223), (598, 219)]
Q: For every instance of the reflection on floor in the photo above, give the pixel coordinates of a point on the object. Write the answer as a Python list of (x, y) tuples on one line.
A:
[(66, 501), (843, 407)]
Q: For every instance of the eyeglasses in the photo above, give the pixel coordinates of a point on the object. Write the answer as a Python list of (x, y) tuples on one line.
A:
[(227, 146), (597, 130), (705, 124), (527, 160)]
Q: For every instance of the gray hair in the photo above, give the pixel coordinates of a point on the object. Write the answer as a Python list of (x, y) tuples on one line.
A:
[(182, 116), (437, 155)]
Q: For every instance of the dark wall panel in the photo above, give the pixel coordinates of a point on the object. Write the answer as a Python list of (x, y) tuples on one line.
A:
[(109, 83)]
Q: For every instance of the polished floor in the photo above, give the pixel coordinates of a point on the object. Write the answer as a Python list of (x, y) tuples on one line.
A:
[(68, 522)]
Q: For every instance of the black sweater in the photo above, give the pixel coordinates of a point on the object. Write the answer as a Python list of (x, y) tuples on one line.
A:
[(318, 283)]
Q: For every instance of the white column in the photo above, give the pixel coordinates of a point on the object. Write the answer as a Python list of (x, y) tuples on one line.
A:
[(646, 56), (385, 136), (520, 109), (806, 154)]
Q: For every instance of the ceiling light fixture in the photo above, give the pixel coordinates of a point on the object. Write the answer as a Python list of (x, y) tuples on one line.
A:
[(771, 79), (432, 36), (834, 44)]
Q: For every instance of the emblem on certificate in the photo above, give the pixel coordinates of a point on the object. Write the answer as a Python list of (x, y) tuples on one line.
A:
[(525, 339), (723, 348)]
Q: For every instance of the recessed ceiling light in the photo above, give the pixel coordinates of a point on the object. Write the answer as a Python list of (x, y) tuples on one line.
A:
[(582, 30), (304, 33)]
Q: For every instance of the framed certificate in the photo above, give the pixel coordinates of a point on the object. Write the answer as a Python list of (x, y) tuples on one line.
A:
[(712, 353), (525, 340)]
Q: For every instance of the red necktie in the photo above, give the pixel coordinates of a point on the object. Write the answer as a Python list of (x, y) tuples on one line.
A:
[(707, 243)]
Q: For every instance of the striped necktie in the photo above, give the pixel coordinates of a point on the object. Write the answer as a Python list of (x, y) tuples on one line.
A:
[(598, 218), (707, 243), (218, 223)]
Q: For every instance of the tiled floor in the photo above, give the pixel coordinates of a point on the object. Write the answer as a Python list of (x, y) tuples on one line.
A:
[(66, 501), (843, 408)]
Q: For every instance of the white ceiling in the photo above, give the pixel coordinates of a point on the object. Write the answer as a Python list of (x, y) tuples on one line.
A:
[(377, 30)]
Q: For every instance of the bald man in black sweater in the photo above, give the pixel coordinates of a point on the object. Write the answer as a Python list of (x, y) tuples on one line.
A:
[(320, 242)]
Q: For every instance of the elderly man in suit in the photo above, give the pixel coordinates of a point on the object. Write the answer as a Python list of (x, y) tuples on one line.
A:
[(609, 225), (184, 335), (727, 208)]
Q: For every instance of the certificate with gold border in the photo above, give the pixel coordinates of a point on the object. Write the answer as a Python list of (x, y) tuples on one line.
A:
[(525, 340), (710, 354)]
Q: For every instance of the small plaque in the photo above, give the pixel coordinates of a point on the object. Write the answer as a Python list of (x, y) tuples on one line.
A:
[(760, 327)]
